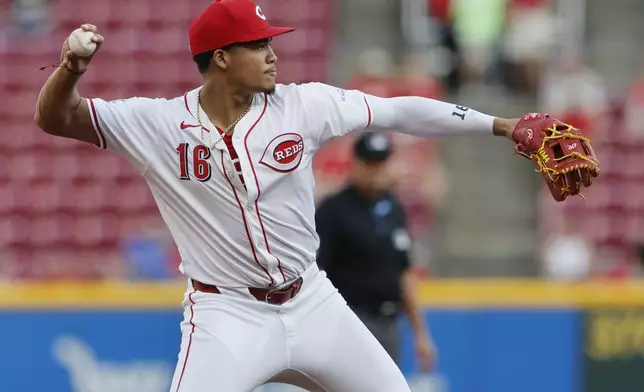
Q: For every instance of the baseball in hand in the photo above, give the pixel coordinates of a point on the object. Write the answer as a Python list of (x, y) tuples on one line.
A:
[(81, 44)]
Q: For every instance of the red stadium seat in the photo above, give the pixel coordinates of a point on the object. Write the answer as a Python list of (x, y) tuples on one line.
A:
[(166, 41), (94, 12), (158, 70), (21, 104), (122, 41), (65, 166), (21, 139), (7, 198), (45, 230), (131, 13), (64, 12), (90, 197), (173, 13), (58, 144), (5, 171), (133, 197), (45, 197), (14, 230), (5, 73)]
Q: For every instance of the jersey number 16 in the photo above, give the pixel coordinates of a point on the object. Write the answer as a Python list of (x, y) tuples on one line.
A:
[(201, 168)]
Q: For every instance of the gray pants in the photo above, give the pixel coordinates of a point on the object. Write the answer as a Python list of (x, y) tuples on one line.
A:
[(384, 328)]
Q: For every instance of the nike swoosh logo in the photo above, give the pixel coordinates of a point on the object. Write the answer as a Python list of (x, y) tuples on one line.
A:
[(184, 126)]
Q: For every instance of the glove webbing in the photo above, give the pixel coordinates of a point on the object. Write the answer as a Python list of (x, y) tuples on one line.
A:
[(541, 157)]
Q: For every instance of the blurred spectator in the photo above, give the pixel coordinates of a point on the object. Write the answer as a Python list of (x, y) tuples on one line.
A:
[(528, 42), (30, 16), (479, 24), (442, 13), (575, 93), (374, 72), (567, 254), (414, 79), (149, 252), (639, 249)]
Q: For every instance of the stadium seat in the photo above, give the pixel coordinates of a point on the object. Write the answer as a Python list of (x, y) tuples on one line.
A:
[(165, 41), (5, 171), (44, 196), (95, 12), (6, 198), (172, 13), (21, 103), (14, 230), (130, 13)]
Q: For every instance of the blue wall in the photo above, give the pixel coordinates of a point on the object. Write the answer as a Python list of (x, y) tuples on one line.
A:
[(504, 350), (109, 351), (125, 350)]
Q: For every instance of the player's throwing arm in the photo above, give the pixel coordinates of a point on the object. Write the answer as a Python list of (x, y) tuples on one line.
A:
[(60, 110)]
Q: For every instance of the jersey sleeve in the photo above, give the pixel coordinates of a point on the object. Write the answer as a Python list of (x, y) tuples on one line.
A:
[(127, 127), (332, 111)]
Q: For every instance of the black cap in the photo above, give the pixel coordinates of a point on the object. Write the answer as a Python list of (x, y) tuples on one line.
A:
[(372, 147)]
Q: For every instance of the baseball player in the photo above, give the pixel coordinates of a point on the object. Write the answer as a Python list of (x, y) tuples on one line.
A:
[(229, 165)]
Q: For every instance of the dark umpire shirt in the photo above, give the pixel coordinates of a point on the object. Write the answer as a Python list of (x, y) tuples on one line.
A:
[(363, 247)]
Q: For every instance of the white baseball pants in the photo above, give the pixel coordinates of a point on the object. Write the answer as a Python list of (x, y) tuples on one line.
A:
[(233, 343)]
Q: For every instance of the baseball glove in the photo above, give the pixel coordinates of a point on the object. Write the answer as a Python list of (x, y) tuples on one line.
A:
[(560, 152)]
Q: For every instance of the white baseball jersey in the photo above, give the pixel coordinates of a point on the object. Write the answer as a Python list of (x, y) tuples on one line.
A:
[(253, 228)]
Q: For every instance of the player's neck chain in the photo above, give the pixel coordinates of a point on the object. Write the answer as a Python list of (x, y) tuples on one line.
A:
[(231, 126)]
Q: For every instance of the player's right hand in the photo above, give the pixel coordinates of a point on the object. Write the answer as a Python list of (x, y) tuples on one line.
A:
[(76, 63)]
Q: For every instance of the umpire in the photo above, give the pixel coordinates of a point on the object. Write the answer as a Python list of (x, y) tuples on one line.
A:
[(364, 249)]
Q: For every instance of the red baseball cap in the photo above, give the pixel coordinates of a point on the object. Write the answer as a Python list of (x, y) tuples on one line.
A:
[(227, 22)]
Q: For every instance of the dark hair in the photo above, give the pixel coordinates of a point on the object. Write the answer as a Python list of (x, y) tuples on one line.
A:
[(203, 60)]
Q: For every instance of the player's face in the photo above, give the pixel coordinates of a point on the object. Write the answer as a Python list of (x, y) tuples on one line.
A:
[(253, 66)]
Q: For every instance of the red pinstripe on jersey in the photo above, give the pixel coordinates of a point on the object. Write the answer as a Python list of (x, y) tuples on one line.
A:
[(185, 100), (368, 112), (192, 315), (259, 192), (241, 209), (99, 131)]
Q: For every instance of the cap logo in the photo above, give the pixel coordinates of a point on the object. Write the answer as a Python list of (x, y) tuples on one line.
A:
[(259, 13)]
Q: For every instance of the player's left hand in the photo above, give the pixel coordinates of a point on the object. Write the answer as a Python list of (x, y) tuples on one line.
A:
[(426, 352)]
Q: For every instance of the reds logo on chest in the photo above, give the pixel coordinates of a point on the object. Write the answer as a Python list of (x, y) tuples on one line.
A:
[(284, 153)]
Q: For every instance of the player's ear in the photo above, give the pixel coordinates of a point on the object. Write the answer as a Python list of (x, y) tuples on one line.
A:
[(221, 58)]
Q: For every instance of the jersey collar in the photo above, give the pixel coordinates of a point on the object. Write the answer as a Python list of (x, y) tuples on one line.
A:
[(190, 102), (243, 127)]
